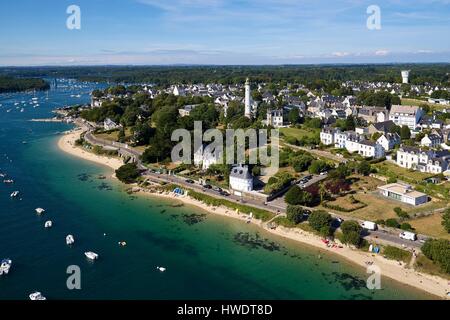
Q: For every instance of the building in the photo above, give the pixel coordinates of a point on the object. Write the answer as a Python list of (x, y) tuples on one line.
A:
[(403, 193), (204, 157), (370, 149), (241, 180), (431, 141), (373, 114), (108, 124), (406, 116), (381, 127), (327, 136), (275, 118), (389, 140), (405, 76), (424, 161), (186, 110), (248, 100)]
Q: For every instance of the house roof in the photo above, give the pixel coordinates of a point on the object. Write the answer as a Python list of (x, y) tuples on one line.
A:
[(241, 172)]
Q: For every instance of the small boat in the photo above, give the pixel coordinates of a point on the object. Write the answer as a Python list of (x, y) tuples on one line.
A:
[(37, 296), (122, 243), (48, 224), (8, 181), (162, 269), (91, 255), (70, 239), (14, 194), (39, 210), (5, 266)]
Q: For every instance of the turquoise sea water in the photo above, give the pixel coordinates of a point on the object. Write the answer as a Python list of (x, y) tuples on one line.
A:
[(207, 257)]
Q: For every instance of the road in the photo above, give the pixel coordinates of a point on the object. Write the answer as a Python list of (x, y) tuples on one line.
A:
[(277, 206)]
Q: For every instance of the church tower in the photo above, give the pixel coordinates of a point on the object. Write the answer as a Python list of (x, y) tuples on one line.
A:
[(248, 105)]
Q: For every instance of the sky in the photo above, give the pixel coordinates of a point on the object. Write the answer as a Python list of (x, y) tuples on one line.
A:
[(223, 32)]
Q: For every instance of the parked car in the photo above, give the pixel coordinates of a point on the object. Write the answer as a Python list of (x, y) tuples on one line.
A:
[(408, 236), (207, 186), (369, 225), (190, 181)]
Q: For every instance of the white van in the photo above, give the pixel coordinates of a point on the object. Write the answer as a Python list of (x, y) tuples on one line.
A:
[(408, 236), (369, 225)]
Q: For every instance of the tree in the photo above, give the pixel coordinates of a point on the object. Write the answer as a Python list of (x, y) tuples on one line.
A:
[(351, 231), (438, 250), (393, 223), (319, 219), (294, 116), (128, 173), (405, 133), (295, 214), (296, 196), (318, 166), (364, 168), (446, 220)]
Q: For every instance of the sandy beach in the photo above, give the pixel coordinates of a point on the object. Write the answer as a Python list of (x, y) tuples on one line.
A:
[(67, 144), (389, 268)]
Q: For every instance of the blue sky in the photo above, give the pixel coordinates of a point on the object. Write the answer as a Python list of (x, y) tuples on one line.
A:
[(223, 32)]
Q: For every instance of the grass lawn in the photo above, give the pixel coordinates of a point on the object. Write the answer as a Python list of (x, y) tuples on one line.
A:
[(430, 225), (425, 265), (299, 133), (391, 170), (114, 135), (417, 102), (379, 207)]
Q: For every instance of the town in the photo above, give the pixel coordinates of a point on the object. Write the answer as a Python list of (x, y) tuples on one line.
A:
[(368, 161)]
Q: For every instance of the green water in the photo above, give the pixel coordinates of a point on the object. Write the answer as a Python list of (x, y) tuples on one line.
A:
[(206, 256)]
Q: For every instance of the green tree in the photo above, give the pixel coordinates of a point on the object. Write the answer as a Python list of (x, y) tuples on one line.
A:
[(446, 220), (351, 231), (438, 250), (294, 116), (319, 219), (364, 168), (128, 173), (405, 133), (296, 196), (295, 214)]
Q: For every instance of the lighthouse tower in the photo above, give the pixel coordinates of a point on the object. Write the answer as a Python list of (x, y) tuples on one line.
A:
[(248, 104), (405, 76)]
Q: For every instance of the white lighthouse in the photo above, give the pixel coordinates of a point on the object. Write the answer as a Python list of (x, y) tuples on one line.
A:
[(248, 103), (405, 76)]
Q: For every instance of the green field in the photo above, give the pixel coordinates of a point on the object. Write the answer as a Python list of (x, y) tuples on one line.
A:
[(299, 133)]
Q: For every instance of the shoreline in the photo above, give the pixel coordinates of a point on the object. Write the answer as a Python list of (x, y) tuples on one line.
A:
[(433, 285)]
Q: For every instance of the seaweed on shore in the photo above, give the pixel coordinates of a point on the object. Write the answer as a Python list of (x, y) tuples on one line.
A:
[(256, 242), (348, 281)]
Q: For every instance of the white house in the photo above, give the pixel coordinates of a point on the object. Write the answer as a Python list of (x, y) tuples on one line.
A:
[(108, 124), (241, 180), (431, 141), (389, 140), (204, 157), (424, 161), (275, 118), (178, 91), (403, 193), (406, 115), (327, 136), (370, 149)]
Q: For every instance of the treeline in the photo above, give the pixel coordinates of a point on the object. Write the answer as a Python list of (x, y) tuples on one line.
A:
[(306, 74), (11, 84)]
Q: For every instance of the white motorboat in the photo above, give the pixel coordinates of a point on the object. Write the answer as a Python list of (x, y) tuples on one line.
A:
[(122, 243), (39, 210), (14, 194), (48, 224), (37, 296), (162, 269), (70, 239), (91, 255), (5, 266), (8, 181)]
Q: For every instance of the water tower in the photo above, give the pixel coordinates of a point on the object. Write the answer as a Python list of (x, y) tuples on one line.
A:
[(405, 76)]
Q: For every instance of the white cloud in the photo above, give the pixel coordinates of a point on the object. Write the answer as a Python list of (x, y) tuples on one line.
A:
[(381, 53)]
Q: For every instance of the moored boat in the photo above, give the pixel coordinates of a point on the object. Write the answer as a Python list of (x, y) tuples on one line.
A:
[(37, 296), (70, 239), (39, 210), (5, 266), (91, 255)]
